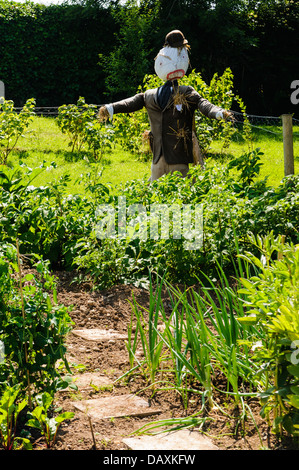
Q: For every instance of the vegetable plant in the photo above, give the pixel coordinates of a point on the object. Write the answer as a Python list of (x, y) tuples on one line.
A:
[(33, 325), (130, 130), (272, 304), (48, 426), (10, 409), (13, 125)]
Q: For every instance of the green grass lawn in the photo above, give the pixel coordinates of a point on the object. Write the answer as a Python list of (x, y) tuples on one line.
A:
[(45, 142), (269, 140)]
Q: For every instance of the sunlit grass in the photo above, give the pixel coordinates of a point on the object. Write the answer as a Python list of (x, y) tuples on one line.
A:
[(269, 140), (45, 142)]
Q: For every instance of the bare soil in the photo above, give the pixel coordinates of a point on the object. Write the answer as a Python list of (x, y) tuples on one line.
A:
[(110, 309)]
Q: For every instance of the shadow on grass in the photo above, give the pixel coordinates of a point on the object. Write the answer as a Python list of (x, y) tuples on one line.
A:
[(220, 156), (68, 155)]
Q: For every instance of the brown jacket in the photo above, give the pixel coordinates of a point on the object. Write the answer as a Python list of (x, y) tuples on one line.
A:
[(171, 128)]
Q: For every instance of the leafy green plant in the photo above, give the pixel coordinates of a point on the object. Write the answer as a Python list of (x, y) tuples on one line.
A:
[(131, 131), (80, 124), (33, 325), (99, 138), (10, 409), (220, 92), (13, 125), (272, 304), (213, 338), (72, 119), (48, 426), (249, 166)]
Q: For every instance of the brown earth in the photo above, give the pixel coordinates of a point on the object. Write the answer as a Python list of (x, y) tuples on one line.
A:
[(110, 309)]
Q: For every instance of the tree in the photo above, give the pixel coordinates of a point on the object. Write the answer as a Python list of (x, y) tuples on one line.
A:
[(131, 58)]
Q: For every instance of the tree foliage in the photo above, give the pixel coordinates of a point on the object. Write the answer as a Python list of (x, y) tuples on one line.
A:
[(127, 64), (52, 53)]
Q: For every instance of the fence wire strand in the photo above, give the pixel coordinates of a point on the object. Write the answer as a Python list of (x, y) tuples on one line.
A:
[(255, 121)]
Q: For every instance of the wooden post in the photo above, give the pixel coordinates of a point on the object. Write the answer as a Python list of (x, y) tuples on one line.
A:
[(2, 92), (287, 129)]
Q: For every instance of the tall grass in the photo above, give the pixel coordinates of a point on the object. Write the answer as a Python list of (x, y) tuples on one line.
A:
[(149, 335), (208, 350)]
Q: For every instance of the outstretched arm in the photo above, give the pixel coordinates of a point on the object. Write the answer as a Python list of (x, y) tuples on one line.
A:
[(129, 105), (206, 108)]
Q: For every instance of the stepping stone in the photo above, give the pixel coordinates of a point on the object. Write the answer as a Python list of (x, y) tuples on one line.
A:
[(95, 334), (173, 440), (115, 407), (87, 379)]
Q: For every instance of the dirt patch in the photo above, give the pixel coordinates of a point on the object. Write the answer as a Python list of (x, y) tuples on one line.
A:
[(110, 310)]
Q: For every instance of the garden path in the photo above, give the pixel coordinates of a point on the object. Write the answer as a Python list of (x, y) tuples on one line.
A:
[(103, 418)]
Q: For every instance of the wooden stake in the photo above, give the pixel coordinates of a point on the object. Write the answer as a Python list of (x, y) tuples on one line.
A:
[(287, 128), (92, 433), (23, 314)]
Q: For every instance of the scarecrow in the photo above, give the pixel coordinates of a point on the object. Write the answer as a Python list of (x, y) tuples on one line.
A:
[(170, 109)]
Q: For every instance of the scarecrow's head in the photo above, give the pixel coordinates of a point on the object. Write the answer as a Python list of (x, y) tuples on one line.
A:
[(173, 60)]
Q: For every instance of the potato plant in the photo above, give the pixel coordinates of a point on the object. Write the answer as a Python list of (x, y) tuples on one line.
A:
[(33, 326)]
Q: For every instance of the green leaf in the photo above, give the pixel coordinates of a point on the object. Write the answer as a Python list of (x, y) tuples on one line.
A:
[(294, 400), (249, 320), (63, 416), (294, 370), (34, 423)]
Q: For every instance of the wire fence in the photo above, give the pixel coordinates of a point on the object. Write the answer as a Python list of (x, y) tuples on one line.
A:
[(286, 132), (47, 110), (262, 123)]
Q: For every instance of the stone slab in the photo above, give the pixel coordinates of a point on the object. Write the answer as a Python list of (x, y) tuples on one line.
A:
[(117, 406), (96, 334), (85, 380), (174, 440)]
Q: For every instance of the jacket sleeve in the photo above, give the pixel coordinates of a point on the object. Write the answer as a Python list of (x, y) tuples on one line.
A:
[(129, 105), (208, 109), (204, 106)]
